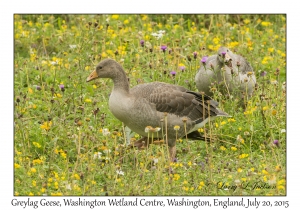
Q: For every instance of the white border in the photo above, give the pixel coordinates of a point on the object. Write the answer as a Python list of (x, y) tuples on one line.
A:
[(7, 9)]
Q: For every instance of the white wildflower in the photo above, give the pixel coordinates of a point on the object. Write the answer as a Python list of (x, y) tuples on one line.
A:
[(148, 128), (106, 152), (97, 155), (105, 132), (272, 180), (68, 187), (237, 181), (148, 45), (120, 172), (53, 63), (239, 138), (274, 82), (283, 86), (157, 129), (154, 34), (159, 34), (72, 46)]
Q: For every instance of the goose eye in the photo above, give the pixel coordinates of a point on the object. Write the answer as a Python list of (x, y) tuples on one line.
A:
[(100, 67), (227, 50)]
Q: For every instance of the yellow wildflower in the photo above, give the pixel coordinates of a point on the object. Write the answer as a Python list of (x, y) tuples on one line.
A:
[(104, 55), (233, 148), (216, 40), (176, 177), (243, 156), (281, 182), (265, 108), (278, 168), (34, 183), (185, 188), (176, 127), (46, 125), (244, 179), (37, 161), (201, 130), (270, 50), (265, 178), (144, 17), (16, 165), (76, 176), (264, 23), (231, 120), (57, 194), (176, 26), (33, 170), (36, 144), (220, 184), (202, 184), (233, 44), (222, 148), (115, 17), (30, 90), (246, 21), (57, 95), (63, 154)]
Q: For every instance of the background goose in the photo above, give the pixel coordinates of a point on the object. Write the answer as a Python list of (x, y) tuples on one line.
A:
[(146, 105), (231, 72)]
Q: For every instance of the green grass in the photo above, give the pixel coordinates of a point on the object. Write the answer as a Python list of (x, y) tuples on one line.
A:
[(58, 134)]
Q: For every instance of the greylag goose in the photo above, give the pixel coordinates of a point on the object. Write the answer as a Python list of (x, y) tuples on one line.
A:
[(232, 73), (156, 104)]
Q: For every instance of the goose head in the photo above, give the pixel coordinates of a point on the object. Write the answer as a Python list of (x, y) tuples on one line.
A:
[(225, 55), (107, 68)]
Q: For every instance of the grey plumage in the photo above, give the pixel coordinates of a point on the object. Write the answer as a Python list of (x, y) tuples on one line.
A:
[(232, 73), (146, 104)]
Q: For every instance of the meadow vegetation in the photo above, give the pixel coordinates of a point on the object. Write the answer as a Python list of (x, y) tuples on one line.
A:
[(67, 142)]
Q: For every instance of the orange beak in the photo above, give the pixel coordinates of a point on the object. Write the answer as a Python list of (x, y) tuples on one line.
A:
[(92, 76)]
